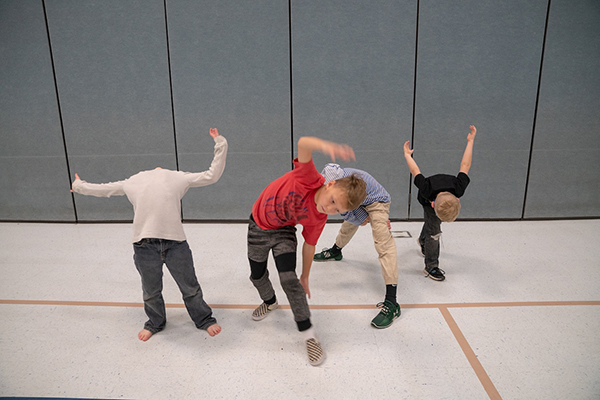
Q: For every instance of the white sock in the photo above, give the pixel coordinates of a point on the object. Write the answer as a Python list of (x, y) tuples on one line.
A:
[(307, 334)]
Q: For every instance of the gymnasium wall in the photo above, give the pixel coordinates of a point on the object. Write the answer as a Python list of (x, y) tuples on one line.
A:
[(108, 88)]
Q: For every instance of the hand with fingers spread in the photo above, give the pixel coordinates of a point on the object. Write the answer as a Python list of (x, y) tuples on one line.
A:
[(342, 151), (308, 144)]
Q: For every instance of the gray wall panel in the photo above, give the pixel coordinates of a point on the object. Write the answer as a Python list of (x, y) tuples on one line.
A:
[(233, 196), (34, 181), (113, 80), (478, 63), (230, 66), (353, 77), (140, 88), (565, 166)]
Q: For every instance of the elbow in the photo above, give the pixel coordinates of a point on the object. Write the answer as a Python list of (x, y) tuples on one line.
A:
[(215, 176), (302, 141)]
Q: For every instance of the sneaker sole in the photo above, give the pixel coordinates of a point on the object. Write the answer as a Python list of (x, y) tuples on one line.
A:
[(382, 326), (428, 275), (328, 259), (317, 363)]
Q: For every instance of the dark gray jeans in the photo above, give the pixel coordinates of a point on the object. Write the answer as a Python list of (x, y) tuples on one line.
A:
[(283, 243), (149, 257), (430, 238)]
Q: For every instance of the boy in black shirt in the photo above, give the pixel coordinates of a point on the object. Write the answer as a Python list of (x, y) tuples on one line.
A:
[(439, 195)]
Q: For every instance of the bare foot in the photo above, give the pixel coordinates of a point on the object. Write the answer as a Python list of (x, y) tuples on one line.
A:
[(144, 335), (214, 329)]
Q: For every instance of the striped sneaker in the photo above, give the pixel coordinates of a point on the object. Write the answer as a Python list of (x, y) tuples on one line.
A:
[(263, 310), (315, 352)]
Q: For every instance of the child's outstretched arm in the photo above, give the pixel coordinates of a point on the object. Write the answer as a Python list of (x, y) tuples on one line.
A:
[(412, 165), (308, 144), (465, 164), (214, 173), (308, 253), (97, 189)]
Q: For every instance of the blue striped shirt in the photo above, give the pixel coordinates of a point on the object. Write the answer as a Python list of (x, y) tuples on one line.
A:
[(375, 192)]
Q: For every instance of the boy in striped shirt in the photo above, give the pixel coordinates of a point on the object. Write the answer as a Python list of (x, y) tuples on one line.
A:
[(375, 209)]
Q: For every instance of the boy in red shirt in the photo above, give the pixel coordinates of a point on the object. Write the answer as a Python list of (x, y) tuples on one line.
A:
[(298, 197)]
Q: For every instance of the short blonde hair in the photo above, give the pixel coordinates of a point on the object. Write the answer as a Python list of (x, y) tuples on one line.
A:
[(447, 206), (355, 189)]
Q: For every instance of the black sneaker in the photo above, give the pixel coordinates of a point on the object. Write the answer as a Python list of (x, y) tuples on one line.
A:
[(435, 273)]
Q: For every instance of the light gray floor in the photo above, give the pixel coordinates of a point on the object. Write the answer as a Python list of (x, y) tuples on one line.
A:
[(517, 318)]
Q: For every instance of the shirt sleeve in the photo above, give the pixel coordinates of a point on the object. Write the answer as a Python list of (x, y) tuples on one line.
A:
[(356, 217), (462, 181), (306, 174), (311, 233), (420, 181), (98, 189), (213, 174)]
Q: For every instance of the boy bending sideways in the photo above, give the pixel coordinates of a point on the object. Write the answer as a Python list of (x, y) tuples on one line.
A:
[(375, 209), (158, 236), (439, 196), (298, 197)]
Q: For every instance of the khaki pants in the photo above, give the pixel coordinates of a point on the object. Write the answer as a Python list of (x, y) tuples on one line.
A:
[(379, 213)]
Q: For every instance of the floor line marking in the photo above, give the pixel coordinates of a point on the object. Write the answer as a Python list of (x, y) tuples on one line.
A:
[(313, 306), (484, 378)]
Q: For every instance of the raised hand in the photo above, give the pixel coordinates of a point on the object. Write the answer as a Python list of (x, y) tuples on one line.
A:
[(407, 151), (343, 151), (472, 134), (76, 177)]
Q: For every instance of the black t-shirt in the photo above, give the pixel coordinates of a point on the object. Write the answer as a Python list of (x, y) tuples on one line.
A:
[(430, 187)]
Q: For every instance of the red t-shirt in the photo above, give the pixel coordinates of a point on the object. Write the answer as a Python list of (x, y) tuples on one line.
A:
[(290, 200)]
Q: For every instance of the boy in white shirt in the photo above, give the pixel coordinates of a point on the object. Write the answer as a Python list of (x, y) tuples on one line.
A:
[(158, 235)]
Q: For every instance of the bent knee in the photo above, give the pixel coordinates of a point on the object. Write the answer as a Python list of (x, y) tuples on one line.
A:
[(288, 279)]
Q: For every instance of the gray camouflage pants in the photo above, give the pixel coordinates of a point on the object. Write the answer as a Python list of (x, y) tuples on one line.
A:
[(282, 243)]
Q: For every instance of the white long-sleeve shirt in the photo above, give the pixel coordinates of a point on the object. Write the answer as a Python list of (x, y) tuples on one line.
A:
[(156, 195)]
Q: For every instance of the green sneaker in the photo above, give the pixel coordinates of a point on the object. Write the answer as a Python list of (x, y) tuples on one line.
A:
[(389, 312), (327, 255)]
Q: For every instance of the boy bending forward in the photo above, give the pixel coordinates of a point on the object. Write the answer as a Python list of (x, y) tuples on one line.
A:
[(375, 209), (298, 197), (439, 196), (158, 236)]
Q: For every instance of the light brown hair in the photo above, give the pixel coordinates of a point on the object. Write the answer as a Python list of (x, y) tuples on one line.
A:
[(355, 188), (447, 206)]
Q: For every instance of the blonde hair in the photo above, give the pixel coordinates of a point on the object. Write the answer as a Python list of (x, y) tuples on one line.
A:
[(447, 206), (355, 189)]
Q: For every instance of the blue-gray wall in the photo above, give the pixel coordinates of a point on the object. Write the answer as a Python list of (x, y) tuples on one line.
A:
[(108, 88)]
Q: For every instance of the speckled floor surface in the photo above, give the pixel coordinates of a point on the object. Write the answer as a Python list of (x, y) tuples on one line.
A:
[(517, 318)]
